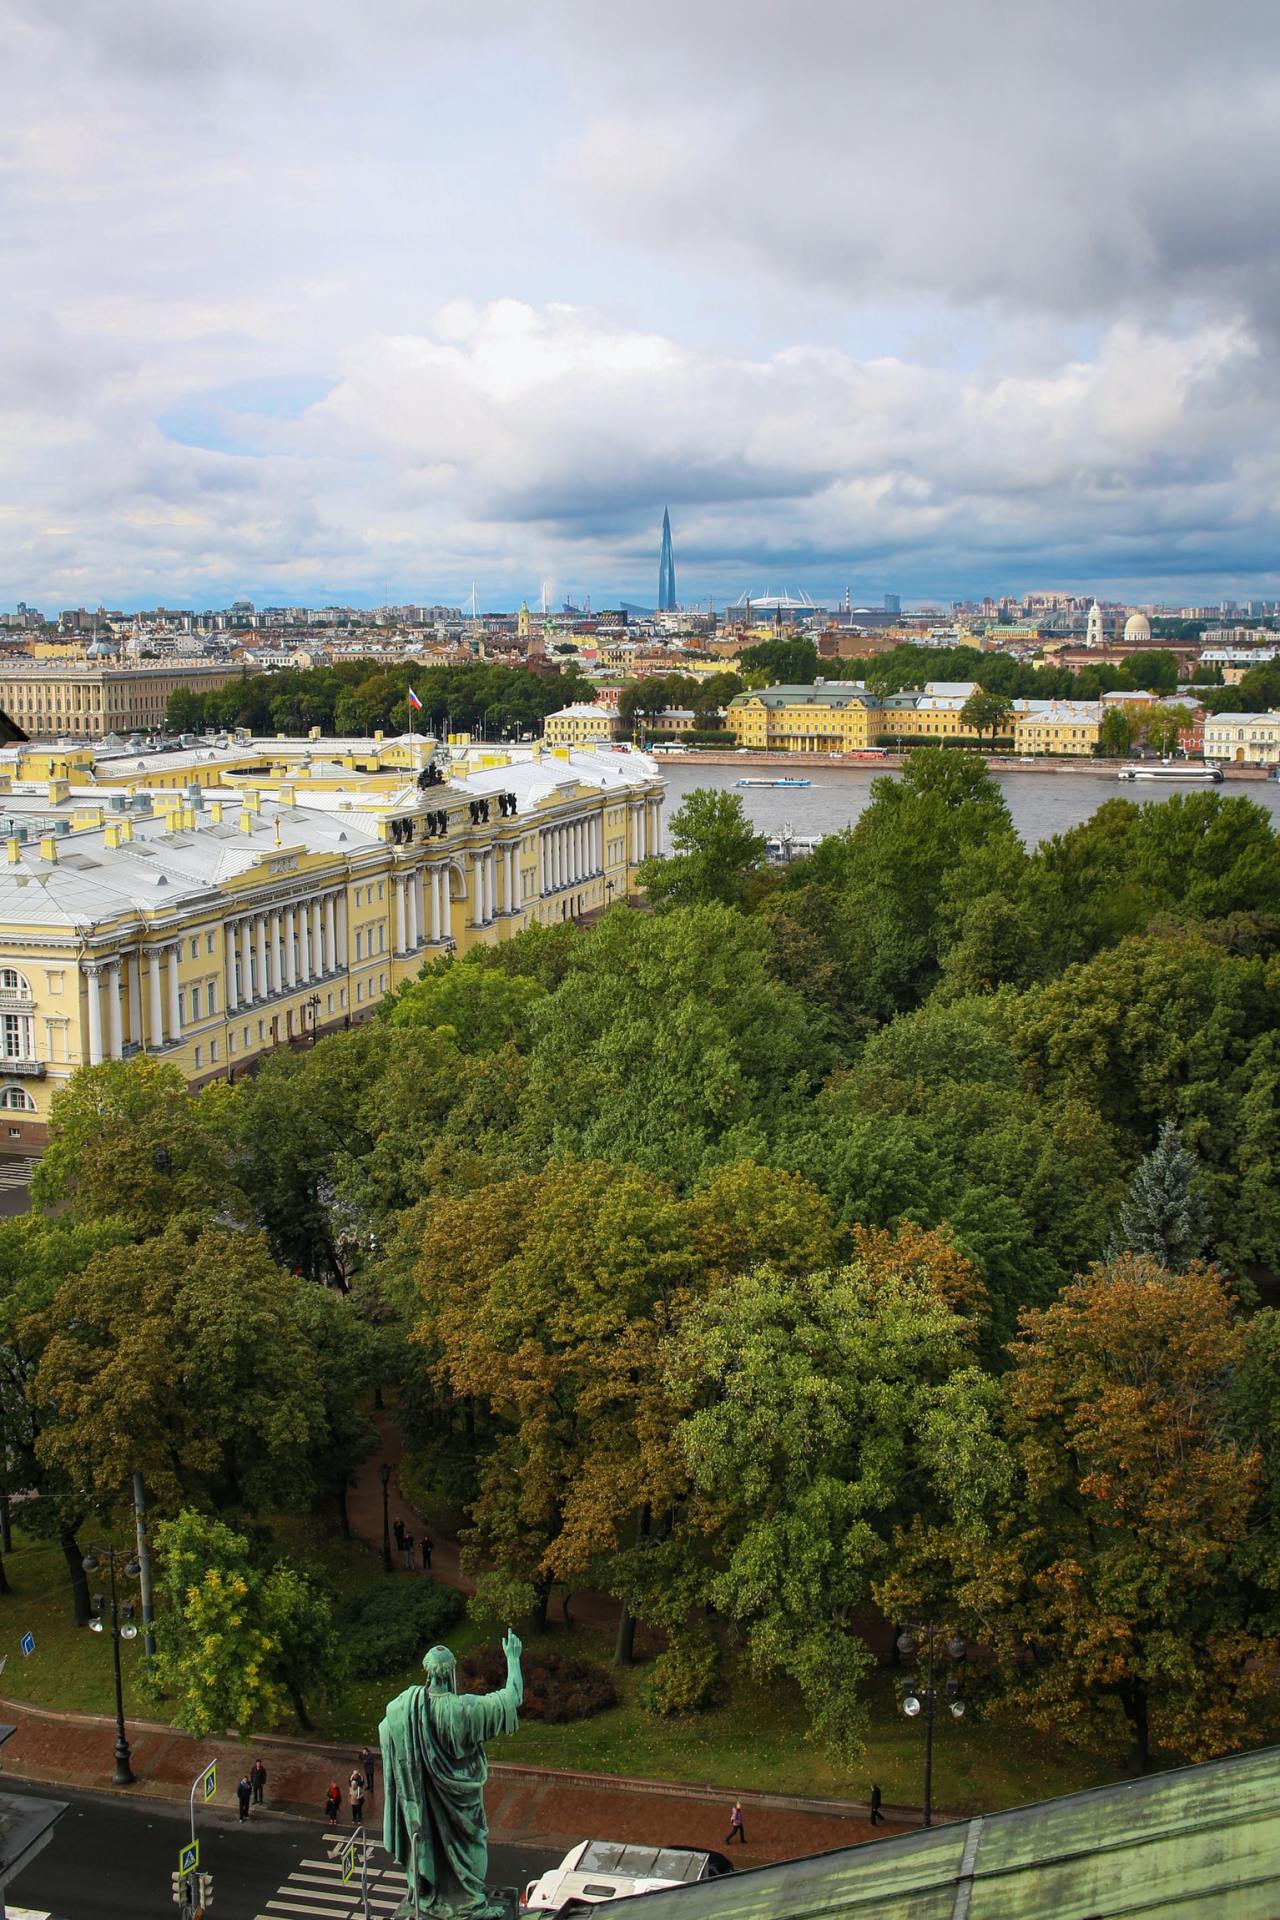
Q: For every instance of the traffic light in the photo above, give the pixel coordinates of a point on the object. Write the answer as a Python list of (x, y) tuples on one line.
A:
[(206, 1892)]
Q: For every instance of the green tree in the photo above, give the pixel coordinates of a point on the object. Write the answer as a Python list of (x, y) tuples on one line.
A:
[(1164, 1213), (668, 1044), (236, 1645), (479, 1008), (128, 1142), (717, 851), (822, 1410), (986, 712), (1116, 733), (788, 663), (184, 1359)]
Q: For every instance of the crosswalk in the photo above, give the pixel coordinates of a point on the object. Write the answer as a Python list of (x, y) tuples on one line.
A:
[(16, 1173), (314, 1890)]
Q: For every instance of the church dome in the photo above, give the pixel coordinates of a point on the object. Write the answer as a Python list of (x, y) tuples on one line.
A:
[(1137, 627)]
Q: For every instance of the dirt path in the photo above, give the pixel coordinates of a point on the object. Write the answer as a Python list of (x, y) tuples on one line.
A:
[(364, 1510)]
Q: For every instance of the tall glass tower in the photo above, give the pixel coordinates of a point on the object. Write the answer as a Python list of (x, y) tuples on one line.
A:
[(666, 569)]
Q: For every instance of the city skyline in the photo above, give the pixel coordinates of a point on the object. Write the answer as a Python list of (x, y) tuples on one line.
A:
[(1041, 345)]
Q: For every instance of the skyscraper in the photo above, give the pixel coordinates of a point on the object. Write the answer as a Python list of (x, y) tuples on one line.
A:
[(666, 568)]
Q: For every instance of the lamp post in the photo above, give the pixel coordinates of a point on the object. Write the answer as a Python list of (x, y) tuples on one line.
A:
[(384, 1474), (917, 1700), (313, 1007), (122, 1627)]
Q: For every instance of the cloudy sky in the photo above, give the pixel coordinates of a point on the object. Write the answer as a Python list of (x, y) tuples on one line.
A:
[(314, 300)]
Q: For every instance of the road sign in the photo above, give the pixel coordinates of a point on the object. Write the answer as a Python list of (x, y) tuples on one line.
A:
[(189, 1857), (209, 1780), (28, 1643), (347, 1861)]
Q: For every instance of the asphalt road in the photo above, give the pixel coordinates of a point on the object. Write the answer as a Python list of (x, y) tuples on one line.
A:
[(111, 1857)]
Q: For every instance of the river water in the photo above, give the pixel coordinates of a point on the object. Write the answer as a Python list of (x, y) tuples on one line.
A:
[(1042, 804)]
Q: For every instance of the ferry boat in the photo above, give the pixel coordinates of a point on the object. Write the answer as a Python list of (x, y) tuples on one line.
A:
[(1205, 775), (787, 780)]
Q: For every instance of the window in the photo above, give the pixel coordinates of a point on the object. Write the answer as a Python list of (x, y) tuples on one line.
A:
[(195, 948), (16, 1037), (359, 943), (181, 1015), (342, 997), (330, 1007), (213, 1050), (231, 1041), (381, 892), (359, 991), (11, 981), (209, 945), (199, 1056), (195, 1003), (382, 982), (16, 1100), (262, 1030), (212, 994)]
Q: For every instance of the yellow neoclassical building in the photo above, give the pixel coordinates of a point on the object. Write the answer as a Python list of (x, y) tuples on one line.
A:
[(86, 700), (832, 716), (208, 926)]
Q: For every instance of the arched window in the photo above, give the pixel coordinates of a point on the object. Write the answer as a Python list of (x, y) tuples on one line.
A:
[(11, 981), (16, 1100)]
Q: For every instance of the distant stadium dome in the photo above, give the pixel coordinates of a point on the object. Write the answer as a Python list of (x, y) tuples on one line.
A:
[(1137, 627)]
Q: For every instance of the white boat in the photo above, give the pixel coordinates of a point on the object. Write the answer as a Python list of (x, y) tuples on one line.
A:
[(1185, 771), (789, 780)]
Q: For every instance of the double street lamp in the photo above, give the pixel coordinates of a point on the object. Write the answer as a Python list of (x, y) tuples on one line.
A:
[(122, 1627), (920, 1700)]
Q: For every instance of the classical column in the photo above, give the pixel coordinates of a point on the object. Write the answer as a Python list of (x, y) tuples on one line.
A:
[(399, 890), (342, 931), (411, 912), (599, 842), (434, 877), (91, 974), (304, 944), (175, 1008), (232, 997), (157, 998), (330, 933), (277, 953), (264, 982), (418, 883), (542, 860), (317, 942), (135, 998), (512, 885), (290, 948), (250, 989), (115, 1037)]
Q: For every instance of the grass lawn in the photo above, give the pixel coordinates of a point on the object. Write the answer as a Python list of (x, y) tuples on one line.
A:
[(756, 1741)]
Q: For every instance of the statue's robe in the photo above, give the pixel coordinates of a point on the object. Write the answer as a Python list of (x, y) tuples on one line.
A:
[(433, 1772)]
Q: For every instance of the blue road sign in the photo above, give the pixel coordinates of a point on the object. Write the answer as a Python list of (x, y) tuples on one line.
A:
[(28, 1643), (189, 1857)]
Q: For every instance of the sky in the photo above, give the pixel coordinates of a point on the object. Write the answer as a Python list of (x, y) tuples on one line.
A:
[(309, 302)]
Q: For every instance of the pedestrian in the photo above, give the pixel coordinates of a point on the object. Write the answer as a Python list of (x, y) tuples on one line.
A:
[(736, 1828), (369, 1768), (357, 1797), (398, 1530), (427, 1544), (877, 1818), (258, 1775), (244, 1794), (332, 1801), (408, 1552)]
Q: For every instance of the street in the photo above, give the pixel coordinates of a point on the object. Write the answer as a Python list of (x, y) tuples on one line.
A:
[(111, 1859)]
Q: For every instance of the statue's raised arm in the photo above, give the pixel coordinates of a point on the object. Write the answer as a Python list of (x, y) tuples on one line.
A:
[(434, 1770)]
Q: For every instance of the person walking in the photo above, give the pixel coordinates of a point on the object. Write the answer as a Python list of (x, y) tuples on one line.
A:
[(332, 1801), (356, 1788), (258, 1778), (368, 1764), (427, 1544), (244, 1794), (737, 1830), (408, 1553), (877, 1818), (398, 1530)]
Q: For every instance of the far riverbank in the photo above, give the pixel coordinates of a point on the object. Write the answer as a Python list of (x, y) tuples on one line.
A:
[(998, 763)]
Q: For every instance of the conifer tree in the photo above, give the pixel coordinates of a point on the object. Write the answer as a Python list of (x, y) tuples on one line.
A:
[(1165, 1213)]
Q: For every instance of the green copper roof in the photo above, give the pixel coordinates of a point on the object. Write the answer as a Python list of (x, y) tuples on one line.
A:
[(1200, 1839)]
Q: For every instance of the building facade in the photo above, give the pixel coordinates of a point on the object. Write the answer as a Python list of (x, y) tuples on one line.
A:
[(1243, 739), (210, 926), (82, 701)]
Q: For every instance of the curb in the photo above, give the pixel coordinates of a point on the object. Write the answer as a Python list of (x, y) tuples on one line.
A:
[(500, 1772)]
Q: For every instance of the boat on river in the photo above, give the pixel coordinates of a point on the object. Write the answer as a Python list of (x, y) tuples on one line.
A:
[(787, 780), (1183, 771)]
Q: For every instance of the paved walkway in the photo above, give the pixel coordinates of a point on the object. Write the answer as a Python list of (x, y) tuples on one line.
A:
[(529, 1805)]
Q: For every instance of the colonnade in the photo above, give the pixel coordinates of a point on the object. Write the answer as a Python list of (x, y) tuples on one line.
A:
[(279, 949), (569, 852)]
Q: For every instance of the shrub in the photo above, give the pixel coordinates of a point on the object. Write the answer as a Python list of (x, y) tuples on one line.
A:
[(557, 1686), (386, 1626), (685, 1678)]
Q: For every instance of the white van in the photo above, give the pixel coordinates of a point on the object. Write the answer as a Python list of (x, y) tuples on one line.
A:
[(599, 1870)]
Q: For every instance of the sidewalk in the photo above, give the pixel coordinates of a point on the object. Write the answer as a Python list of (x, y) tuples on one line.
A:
[(527, 1805)]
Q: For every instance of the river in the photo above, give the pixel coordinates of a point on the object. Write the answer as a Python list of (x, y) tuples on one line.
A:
[(1042, 804)]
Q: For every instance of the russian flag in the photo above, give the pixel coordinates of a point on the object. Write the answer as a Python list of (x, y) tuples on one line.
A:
[(414, 701)]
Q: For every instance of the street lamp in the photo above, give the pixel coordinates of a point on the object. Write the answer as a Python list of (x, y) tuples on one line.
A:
[(918, 1700), (384, 1474), (122, 1628), (312, 1004)]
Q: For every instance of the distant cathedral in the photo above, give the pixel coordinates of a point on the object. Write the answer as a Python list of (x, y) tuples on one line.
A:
[(666, 569)]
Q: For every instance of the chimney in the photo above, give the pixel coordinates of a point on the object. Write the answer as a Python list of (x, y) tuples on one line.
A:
[(15, 849), (215, 811), (114, 834), (248, 819), (48, 847)]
